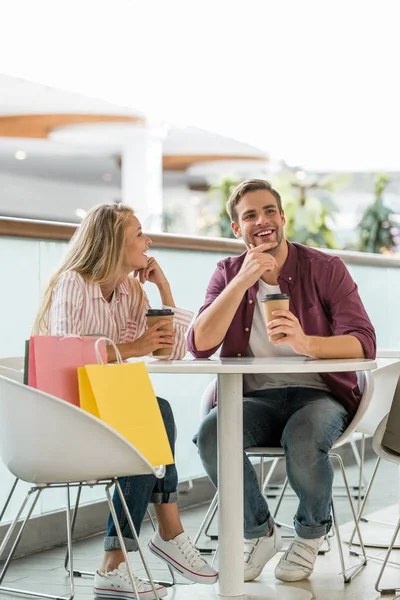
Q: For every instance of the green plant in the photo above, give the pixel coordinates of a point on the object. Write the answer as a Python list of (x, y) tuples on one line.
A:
[(309, 208), (218, 224), (376, 224)]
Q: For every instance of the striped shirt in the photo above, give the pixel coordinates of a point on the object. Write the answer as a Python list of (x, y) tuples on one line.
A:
[(79, 308)]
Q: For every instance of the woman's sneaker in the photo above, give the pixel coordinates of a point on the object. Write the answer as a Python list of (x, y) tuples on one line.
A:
[(299, 560), (184, 558), (117, 584)]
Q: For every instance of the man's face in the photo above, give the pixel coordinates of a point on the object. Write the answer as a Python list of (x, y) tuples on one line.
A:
[(259, 219)]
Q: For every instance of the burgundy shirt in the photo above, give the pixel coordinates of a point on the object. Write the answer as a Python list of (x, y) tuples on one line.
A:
[(323, 296)]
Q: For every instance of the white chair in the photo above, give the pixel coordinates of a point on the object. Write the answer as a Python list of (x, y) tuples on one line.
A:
[(385, 381), (386, 454), (36, 449), (13, 368)]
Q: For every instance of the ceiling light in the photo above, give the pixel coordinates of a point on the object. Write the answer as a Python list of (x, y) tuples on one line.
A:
[(20, 155), (107, 177)]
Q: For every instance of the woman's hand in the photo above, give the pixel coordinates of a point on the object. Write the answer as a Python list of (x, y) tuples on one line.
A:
[(152, 273), (153, 339)]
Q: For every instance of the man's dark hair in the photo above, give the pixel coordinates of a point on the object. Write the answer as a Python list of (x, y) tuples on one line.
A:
[(250, 185)]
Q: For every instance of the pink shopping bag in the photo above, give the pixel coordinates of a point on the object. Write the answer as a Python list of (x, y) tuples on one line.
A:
[(53, 363)]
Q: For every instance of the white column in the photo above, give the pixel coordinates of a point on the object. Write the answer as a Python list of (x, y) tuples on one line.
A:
[(141, 175)]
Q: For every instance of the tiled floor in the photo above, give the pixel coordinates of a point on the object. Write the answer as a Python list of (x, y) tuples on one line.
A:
[(44, 571)]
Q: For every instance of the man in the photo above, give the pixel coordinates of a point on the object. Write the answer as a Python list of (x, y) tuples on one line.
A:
[(306, 413)]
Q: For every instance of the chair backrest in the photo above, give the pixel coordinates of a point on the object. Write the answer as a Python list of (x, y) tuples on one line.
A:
[(377, 446), (382, 387), (206, 403), (46, 440), (12, 367), (367, 386)]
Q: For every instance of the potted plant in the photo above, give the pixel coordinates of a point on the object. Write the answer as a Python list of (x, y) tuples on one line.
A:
[(309, 207), (376, 223)]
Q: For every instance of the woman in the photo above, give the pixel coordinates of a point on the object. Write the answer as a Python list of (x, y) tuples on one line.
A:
[(94, 292)]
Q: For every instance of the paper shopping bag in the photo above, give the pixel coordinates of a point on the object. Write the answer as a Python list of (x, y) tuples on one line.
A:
[(53, 361), (122, 396)]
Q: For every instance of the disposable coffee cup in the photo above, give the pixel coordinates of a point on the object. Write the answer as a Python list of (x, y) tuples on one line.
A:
[(161, 314), (273, 302)]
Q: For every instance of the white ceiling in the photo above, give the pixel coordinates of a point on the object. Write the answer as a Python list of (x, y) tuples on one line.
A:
[(20, 97), (79, 162)]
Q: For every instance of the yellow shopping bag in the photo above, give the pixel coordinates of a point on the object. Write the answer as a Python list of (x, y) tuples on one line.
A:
[(122, 396)]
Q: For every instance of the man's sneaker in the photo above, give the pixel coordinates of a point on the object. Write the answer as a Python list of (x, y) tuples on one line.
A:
[(184, 558), (298, 561), (117, 584), (258, 551)]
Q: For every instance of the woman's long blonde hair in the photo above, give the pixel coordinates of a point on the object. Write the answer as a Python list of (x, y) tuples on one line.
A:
[(97, 252)]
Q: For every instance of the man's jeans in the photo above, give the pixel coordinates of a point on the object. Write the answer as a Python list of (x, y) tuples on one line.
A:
[(306, 423), (139, 490)]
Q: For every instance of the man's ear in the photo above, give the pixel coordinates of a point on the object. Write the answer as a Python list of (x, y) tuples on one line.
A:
[(283, 218), (236, 229)]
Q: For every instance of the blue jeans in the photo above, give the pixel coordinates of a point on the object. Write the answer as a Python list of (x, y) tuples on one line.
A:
[(306, 423), (139, 490)]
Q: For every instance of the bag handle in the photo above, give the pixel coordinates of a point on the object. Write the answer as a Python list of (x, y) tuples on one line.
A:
[(98, 355)]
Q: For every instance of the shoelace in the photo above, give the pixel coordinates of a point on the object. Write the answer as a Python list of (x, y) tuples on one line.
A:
[(191, 554), (123, 573)]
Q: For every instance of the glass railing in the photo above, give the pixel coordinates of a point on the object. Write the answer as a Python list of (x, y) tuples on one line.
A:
[(27, 263)]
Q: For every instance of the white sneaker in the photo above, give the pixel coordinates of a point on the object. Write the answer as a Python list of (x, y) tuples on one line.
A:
[(117, 584), (184, 558), (298, 561), (259, 551)]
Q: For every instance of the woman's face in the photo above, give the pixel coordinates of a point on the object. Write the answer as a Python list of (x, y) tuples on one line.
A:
[(136, 245)]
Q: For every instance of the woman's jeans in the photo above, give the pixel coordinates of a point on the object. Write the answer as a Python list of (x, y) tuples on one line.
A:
[(306, 423), (139, 490)]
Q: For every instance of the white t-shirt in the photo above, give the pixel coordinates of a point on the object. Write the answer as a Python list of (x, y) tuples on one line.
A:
[(259, 345)]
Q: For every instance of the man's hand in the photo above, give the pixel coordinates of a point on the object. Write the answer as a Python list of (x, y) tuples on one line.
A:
[(152, 273), (257, 261), (153, 339), (285, 322)]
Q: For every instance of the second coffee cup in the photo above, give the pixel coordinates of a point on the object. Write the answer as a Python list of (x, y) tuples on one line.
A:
[(273, 302), (161, 314)]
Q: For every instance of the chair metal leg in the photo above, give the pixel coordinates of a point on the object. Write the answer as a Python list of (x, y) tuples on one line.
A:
[(170, 569), (7, 502), (268, 478), (77, 573), (19, 592), (69, 541), (360, 471), (122, 543), (74, 516), (215, 556), (385, 562), (35, 493), (361, 510), (261, 475), (278, 505), (357, 568), (133, 530), (205, 525)]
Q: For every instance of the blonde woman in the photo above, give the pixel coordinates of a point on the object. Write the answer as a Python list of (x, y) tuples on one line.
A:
[(99, 289)]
